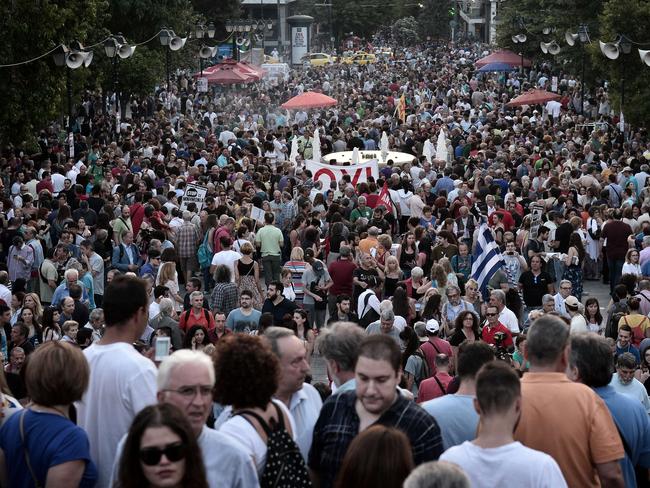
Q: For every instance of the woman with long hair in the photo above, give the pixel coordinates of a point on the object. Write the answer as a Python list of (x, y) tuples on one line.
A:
[(432, 305), (168, 277), (466, 328), (33, 302), (413, 362), (304, 330), (593, 316), (631, 265), (196, 338), (473, 296), (378, 456), (392, 275), (50, 324), (573, 262), (407, 254), (247, 275), (403, 305), (336, 239), (161, 450), (297, 265), (28, 317), (439, 279)]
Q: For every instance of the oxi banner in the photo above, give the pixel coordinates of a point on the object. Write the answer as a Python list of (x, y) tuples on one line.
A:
[(327, 173)]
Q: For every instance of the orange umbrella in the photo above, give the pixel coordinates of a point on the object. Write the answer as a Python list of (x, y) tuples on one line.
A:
[(504, 56), (533, 97), (309, 100)]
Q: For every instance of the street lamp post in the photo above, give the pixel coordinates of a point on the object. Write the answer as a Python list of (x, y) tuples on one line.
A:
[(202, 32), (583, 34), (116, 47), (626, 47)]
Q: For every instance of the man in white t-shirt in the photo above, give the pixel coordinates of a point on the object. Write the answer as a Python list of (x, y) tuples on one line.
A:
[(494, 458), (226, 256), (122, 381), (186, 380), (506, 316)]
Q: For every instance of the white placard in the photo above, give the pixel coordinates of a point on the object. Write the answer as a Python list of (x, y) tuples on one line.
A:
[(536, 220), (257, 214), (554, 84), (327, 173), (298, 44), (194, 193), (202, 85)]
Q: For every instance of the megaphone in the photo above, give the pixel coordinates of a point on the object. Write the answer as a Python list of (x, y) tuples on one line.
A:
[(645, 56), (550, 47), (88, 58), (126, 51), (175, 43), (610, 49), (519, 38), (75, 59), (247, 43), (570, 38), (259, 37), (207, 52), (240, 41)]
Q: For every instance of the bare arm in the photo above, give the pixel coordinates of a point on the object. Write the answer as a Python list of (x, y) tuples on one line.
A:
[(610, 475), (66, 475)]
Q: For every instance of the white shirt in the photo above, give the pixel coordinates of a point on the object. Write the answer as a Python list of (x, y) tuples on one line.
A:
[(510, 465), (373, 302), (634, 389), (578, 324), (305, 407), (228, 258), (508, 318), (122, 382), (58, 182), (5, 294), (238, 429), (232, 467)]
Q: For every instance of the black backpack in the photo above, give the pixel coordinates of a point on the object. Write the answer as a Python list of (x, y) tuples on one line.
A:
[(368, 314), (619, 310), (285, 467)]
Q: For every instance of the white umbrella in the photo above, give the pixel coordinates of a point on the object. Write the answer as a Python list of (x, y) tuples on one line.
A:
[(427, 150), (441, 147), (294, 150), (355, 156), (383, 146), (315, 147)]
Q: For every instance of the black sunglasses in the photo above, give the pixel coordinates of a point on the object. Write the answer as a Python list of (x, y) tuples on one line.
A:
[(152, 455)]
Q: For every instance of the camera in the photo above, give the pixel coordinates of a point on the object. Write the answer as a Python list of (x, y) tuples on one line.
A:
[(501, 352)]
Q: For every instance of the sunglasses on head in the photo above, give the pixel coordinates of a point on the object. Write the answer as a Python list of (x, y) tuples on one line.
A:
[(152, 455)]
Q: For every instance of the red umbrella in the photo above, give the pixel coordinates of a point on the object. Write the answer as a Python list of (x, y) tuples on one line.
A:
[(533, 97), (504, 56), (240, 67), (247, 67), (309, 100), (227, 75)]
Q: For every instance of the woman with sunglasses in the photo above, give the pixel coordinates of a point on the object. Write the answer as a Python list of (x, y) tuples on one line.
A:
[(161, 451)]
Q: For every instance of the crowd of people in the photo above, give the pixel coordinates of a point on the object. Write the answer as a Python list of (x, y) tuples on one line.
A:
[(105, 262)]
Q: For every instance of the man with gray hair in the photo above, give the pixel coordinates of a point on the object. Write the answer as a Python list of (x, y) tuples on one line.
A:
[(339, 344), (583, 438), (96, 324), (644, 295), (563, 294), (506, 316), (186, 380), (302, 399), (63, 290), (188, 239), (385, 325), (644, 255), (166, 318)]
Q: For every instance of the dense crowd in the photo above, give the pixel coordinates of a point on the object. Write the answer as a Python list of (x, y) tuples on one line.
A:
[(105, 263)]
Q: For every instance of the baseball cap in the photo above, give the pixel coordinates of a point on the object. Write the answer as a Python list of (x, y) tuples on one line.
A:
[(572, 302), (432, 326)]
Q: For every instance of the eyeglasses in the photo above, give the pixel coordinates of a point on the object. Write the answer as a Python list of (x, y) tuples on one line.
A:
[(565, 288), (455, 295), (190, 391), (491, 314), (152, 455)]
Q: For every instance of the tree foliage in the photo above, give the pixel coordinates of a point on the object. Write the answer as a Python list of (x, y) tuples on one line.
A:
[(405, 31), (434, 19)]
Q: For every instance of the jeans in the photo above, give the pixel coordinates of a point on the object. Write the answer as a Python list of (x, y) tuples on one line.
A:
[(316, 317), (272, 268), (615, 272), (208, 280)]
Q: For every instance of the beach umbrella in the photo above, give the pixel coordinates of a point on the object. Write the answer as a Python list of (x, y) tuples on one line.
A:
[(309, 100), (533, 97), (504, 56)]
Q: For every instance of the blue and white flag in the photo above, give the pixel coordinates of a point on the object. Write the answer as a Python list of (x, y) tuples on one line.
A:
[(487, 259)]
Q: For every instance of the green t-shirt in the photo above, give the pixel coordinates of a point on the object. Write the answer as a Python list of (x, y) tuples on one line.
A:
[(270, 239)]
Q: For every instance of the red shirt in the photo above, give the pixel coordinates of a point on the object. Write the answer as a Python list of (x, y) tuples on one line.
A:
[(430, 389), (488, 334), (341, 273), (189, 320), (44, 185), (433, 347)]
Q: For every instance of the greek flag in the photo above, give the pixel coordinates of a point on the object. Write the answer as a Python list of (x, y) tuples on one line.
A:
[(487, 259)]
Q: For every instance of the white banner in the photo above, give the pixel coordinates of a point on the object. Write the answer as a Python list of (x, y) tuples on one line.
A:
[(298, 44), (202, 85), (194, 193), (359, 173)]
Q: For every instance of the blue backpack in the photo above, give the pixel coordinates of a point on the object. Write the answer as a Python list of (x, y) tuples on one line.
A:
[(204, 253)]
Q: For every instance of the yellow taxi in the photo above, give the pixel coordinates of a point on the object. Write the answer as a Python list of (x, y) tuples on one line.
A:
[(318, 59), (360, 58)]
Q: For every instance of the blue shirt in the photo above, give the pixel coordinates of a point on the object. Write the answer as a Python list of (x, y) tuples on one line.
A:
[(51, 440), (631, 349), (634, 425), (63, 291), (456, 417)]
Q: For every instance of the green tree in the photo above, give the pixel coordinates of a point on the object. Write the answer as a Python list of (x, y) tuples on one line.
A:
[(34, 93), (434, 19), (614, 20), (405, 31)]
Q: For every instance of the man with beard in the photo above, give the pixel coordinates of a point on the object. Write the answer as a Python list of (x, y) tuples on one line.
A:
[(375, 399), (276, 304)]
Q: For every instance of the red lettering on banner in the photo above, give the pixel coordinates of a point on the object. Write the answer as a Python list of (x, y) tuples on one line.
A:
[(325, 171)]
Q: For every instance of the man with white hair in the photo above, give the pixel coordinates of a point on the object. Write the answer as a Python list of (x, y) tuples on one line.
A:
[(186, 380), (63, 290)]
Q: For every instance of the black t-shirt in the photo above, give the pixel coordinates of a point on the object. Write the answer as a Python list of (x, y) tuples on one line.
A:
[(535, 246), (534, 287), (361, 275), (563, 234)]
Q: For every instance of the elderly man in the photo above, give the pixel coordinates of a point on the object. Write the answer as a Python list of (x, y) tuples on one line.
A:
[(96, 324), (506, 316), (563, 294), (362, 211), (624, 382), (385, 325), (122, 225), (186, 379), (302, 399), (63, 290), (339, 345), (582, 439)]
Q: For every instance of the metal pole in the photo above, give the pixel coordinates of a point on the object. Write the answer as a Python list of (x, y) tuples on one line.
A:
[(116, 88), (582, 84), (167, 59), (201, 65), (68, 85), (622, 87), (280, 40)]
